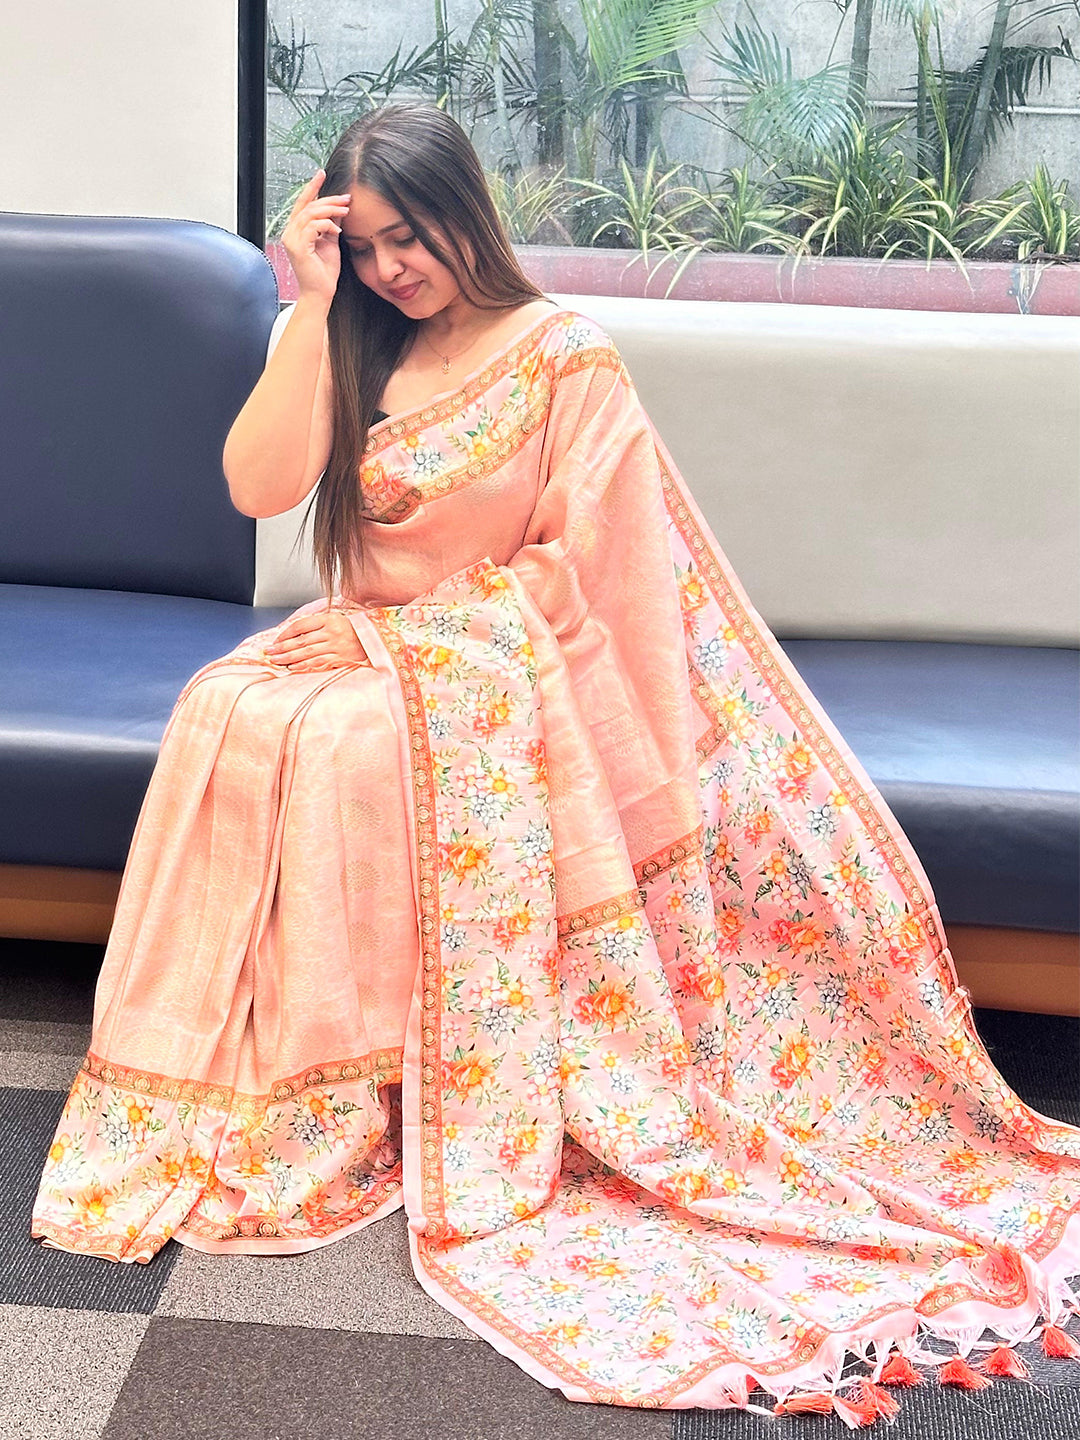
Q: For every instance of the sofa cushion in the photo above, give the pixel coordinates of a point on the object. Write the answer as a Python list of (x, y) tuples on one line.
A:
[(976, 750), (974, 747), (89, 681), (128, 346)]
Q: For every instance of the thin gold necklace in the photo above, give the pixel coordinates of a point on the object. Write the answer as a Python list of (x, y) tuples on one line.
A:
[(447, 359)]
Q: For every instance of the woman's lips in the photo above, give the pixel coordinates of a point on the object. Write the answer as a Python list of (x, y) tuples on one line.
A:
[(408, 292)]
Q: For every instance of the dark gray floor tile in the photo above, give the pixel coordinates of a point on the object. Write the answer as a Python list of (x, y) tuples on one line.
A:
[(207, 1381), (47, 980), (1011, 1410), (32, 1273), (1039, 1056)]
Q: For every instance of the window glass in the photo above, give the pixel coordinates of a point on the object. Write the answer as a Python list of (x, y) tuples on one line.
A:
[(909, 153)]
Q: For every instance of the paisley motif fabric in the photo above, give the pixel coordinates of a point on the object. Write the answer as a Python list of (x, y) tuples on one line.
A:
[(570, 923)]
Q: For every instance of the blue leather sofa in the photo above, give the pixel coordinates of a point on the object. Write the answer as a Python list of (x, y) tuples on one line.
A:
[(128, 347)]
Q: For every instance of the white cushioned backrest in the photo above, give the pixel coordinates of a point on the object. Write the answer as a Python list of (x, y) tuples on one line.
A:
[(284, 570), (868, 472)]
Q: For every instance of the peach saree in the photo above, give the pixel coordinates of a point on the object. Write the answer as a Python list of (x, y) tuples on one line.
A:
[(571, 924)]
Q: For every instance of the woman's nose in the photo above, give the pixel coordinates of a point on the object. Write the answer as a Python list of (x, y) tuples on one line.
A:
[(389, 266)]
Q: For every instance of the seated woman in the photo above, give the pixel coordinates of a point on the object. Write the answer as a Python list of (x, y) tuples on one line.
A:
[(522, 882)]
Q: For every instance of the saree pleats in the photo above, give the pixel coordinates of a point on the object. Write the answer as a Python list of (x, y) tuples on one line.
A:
[(690, 1098)]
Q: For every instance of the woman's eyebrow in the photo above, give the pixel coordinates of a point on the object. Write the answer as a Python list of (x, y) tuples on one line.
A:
[(395, 226)]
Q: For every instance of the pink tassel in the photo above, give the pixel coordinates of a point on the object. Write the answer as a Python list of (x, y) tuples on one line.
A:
[(882, 1402), (855, 1413), (1006, 1362), (1058, 1345), (900, 1371), (814, 1402), (958, 1372)]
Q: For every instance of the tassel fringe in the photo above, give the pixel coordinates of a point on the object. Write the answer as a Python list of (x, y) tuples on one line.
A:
[(855, 1413), (879, 1401), (1058, 1345), (869, 1401), (815, 1402), (1005, 1361), (900, 1371), (958, 1372)]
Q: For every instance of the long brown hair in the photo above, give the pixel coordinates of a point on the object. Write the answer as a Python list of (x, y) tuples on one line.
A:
[(420, 161)]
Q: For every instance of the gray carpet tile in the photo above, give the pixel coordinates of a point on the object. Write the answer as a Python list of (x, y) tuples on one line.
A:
[(196, 1380), (41, 1054), (62, 1370), (30, 1070), (44, 1037), (362, 1282), (32, 1273), (47, 980)]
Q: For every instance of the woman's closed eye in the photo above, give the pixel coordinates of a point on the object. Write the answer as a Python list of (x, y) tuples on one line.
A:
[(366, 250)]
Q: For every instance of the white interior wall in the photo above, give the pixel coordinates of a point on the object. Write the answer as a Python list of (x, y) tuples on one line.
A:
[(114, 108)]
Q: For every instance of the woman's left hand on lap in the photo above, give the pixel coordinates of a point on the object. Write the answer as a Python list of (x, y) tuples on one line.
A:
[(320, 641)]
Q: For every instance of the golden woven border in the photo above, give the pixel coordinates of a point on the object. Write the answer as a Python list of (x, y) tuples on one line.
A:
[(628, 903), (269, 1227), (466, 473), (392, 430), (427, 853), (380, 1067), (671, 855)]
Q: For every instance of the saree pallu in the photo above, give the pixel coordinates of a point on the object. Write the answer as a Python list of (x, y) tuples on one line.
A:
[(570, 923)]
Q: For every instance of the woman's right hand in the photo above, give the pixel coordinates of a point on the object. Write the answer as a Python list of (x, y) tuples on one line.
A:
[(310, 238)]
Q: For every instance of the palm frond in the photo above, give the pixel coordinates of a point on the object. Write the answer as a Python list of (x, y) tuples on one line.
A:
[(627, 40)]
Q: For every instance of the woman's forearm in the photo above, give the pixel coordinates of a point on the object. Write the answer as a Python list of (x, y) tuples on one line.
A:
[(269, 458)]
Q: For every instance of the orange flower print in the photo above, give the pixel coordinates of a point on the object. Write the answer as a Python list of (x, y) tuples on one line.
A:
[(509, 928), (657, 1344), (729, 929), (519, 1142), (610, 1004), (702, 978), (685, 1187), (758, 824), (872, 1064), (536, 755), (564, 1334), (487, 579), (468, 1073), (798, 761), (755, 1146), (775, 867), (491, 715), (467, 858), (793, 1060), (674, 1057), (596, 1267), (891, 1254), (314, 1206), (59, 1148), (791, 1169), (92, 1206), (433, 658)]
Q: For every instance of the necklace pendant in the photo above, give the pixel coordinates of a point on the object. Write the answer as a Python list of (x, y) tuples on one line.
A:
[(445, 364)]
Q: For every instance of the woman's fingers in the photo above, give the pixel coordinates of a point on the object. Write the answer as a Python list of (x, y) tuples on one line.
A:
[(321, 640)]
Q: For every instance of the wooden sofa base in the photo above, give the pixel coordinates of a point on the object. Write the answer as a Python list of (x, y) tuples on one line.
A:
[(1032, 970)]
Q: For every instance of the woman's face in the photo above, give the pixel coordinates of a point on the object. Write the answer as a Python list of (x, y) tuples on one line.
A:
[(389, 258)]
